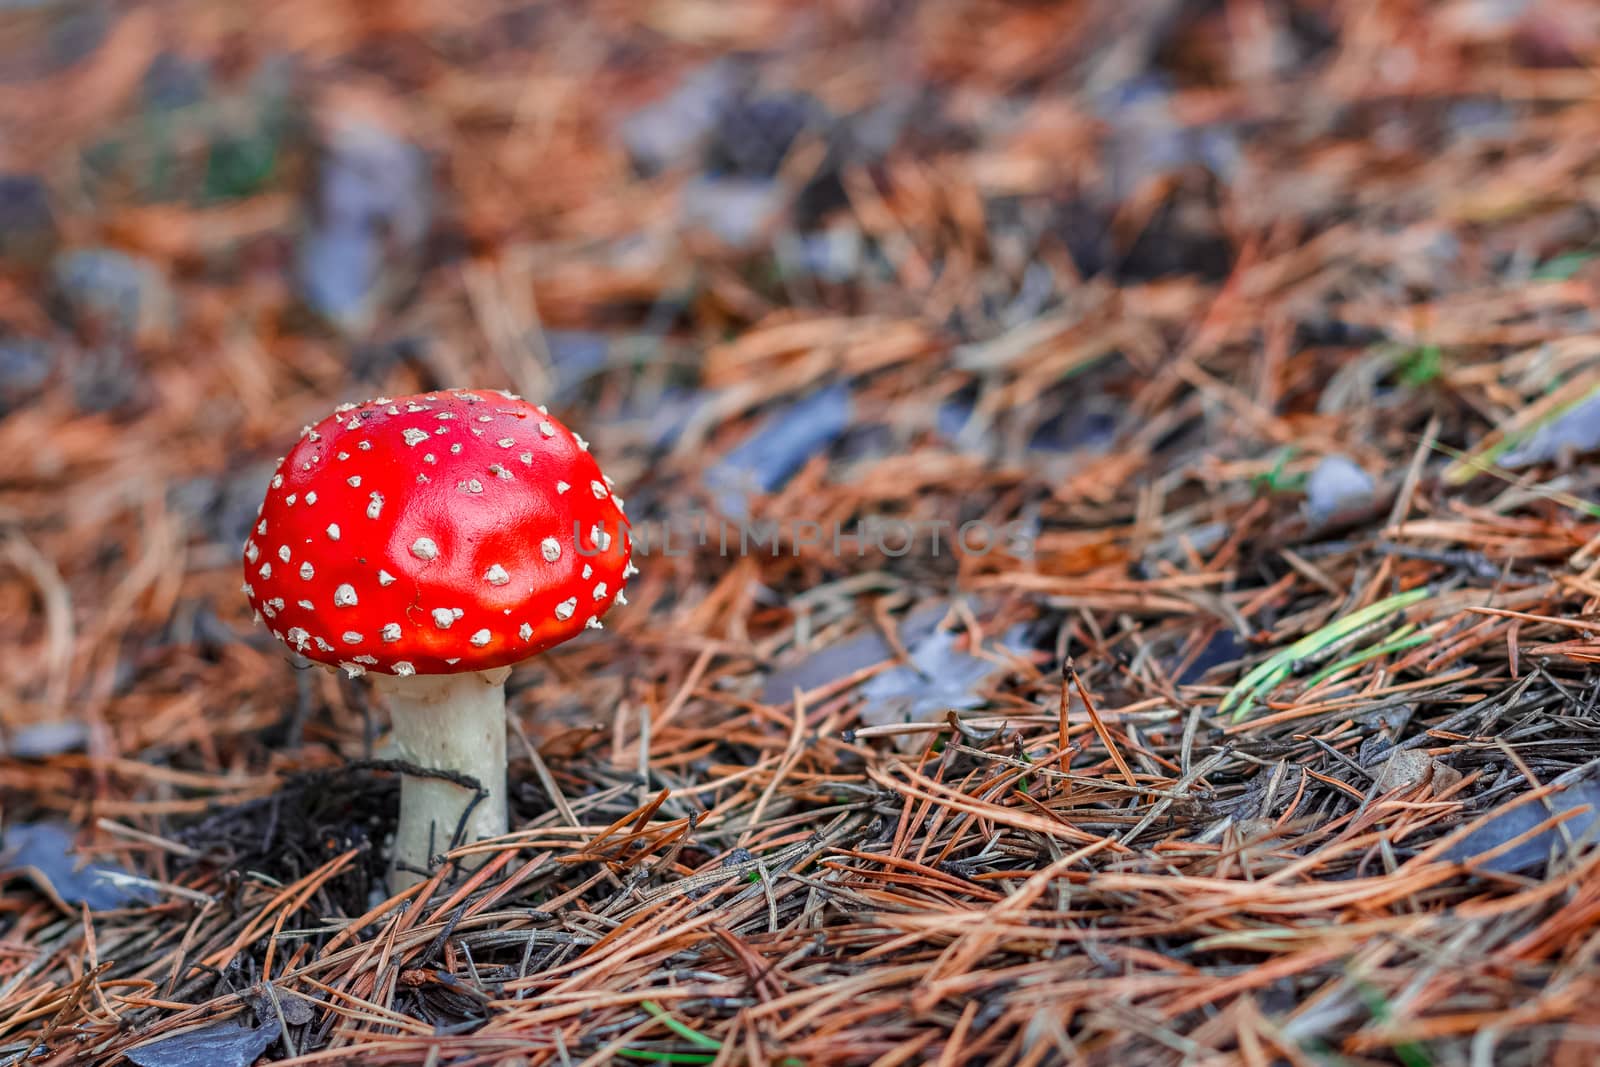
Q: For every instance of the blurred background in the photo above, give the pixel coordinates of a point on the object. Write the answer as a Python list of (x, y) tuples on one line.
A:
[(1170, 284)]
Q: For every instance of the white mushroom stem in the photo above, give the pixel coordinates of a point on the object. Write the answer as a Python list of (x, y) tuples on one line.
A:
[(446, 722)]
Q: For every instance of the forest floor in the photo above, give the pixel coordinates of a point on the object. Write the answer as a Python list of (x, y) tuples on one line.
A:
[(1249, 350)]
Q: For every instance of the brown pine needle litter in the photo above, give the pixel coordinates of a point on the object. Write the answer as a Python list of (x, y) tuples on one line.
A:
[(1245, 708)]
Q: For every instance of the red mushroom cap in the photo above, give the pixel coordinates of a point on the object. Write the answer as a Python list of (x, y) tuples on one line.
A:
[(434, 534)]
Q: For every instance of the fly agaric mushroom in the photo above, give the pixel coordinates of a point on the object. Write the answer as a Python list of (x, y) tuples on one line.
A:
[(431, 542)]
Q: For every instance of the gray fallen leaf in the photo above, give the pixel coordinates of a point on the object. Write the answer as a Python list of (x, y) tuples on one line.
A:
[(575, 356), (29, 234), (1337, 487), (372, 211), (173, 81), (671, 130), (1583, 828), (339, 268), (42, 853), (1223, 646), (755, 131), (843, 658), (26, 365), (41, 739), (779, 447), (1404, 769), (112, 296), (1576, 430), (1175, 547), (1147, 137), (221, 1044), (834, 255), (1089, 425), (940, 678), (951, 417), (667, 414), (296, 1010), (737, 211), (1471, 120)]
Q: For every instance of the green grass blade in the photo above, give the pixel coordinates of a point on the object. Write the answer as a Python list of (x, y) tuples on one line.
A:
[(1277, 666), (666, 1057), (665, 1018), (1397, 641)]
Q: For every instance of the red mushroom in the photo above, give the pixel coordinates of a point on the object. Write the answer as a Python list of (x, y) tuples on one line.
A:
[(431, 542)]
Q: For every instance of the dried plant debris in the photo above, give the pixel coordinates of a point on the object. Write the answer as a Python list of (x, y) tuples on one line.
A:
[(1241, 356)]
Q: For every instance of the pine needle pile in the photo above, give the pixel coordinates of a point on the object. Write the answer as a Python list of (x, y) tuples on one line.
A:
[(1257, 340)]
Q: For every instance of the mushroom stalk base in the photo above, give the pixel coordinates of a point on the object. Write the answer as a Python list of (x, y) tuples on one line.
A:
[(446, 722)]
